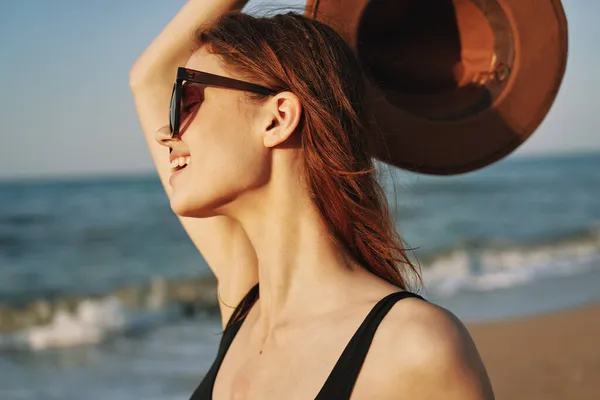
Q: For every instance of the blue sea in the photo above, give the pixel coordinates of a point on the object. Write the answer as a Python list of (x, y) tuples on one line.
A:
[(103, 295)]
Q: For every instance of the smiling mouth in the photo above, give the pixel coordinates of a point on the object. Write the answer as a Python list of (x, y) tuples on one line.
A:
[(180, 163)]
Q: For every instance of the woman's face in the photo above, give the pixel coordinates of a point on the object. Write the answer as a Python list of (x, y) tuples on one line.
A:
[(224, 138)]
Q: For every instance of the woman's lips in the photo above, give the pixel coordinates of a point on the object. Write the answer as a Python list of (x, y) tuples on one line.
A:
[(174, 174)]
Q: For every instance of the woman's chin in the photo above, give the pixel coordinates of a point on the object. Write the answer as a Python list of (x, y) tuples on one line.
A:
[(182, 208), (186, 208)]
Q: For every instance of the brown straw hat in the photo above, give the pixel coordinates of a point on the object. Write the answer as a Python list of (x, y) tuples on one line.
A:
[(454, 85)]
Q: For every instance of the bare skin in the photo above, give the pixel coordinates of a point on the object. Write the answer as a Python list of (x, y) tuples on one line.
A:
[(241, 202)]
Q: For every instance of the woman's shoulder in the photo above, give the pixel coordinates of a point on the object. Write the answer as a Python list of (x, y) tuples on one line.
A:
[(423, 323), (430, 348)]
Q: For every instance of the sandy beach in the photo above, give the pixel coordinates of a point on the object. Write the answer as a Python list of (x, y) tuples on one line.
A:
[(550, 357)]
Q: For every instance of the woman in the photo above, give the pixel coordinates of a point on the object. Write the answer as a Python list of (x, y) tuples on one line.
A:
[(268, 170)]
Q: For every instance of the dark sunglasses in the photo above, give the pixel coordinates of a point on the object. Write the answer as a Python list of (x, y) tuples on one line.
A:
[(183, 102)]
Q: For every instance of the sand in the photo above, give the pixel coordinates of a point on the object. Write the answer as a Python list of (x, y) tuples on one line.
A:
[(547, 357)]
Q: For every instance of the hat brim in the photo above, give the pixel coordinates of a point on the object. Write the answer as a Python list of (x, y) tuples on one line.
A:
[(460, 145)]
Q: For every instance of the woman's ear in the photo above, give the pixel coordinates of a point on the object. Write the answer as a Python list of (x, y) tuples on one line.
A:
[(283, 113)]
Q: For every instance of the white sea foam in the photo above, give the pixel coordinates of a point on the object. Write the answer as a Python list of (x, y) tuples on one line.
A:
[(489, 269), (91, 323)]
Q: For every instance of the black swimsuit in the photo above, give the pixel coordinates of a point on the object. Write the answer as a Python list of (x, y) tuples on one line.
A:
[(340, 382)]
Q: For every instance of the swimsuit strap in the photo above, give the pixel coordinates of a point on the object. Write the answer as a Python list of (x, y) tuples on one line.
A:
[(204, 391), (340, 382)]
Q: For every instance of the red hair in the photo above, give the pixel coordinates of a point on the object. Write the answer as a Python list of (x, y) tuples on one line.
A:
[(291, 52)]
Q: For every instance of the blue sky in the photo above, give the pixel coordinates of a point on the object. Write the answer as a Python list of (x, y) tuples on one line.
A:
[(66, 108)]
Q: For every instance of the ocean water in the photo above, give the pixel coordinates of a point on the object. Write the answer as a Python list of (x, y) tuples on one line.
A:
[(102, 294)]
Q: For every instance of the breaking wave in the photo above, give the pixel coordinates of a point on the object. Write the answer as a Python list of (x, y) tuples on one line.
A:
[(71, 321)]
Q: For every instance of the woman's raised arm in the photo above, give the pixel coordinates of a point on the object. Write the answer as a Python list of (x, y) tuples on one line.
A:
[(222, 242)]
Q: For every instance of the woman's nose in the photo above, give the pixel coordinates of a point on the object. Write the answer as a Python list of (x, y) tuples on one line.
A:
[(163, 136)]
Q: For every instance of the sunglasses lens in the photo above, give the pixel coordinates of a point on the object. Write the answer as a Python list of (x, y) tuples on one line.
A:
[(191, 98)]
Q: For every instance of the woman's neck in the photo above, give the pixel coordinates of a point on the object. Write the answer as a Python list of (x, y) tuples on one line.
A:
[(301, 270)]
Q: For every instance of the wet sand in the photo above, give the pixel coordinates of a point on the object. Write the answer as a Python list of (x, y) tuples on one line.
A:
[(550, 357)]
